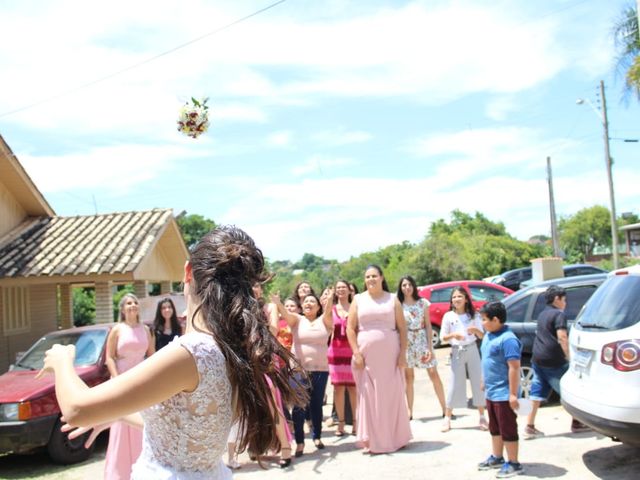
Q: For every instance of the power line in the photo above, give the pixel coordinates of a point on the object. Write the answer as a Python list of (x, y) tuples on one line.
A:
[(139, 64)]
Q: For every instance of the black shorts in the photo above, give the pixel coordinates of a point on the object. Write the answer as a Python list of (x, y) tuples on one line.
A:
[(502, 421)]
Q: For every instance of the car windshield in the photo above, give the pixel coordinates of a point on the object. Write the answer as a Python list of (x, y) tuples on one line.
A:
[(88, 348), (615, 305), (481, 293)]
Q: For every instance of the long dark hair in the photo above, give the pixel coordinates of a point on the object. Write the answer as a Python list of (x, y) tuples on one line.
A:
[(385, 287), (225, 264), (468, 308), (295, 295), (414, 294), (158, 322)]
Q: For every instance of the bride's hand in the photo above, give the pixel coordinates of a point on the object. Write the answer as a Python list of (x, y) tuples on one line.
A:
[(56, 355), (75, 432)]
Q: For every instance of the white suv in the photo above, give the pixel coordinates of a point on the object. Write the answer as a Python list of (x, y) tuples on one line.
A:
[(602, 386)]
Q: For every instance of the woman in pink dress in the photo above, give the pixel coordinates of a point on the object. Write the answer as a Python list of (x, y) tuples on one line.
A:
[(378, 337), (281, 427), (127, 345), (340, 354)]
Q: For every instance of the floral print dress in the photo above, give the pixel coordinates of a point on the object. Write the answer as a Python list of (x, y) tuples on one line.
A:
[(417, 341)]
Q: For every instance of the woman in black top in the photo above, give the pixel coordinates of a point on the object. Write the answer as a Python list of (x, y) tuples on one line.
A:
[(166, 326)]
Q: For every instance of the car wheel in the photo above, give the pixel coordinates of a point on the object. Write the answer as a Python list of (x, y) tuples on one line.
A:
[(526, 378), (435, 336), (63, 450)]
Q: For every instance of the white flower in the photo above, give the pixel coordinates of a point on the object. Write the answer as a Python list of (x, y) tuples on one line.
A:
[(193, 120)]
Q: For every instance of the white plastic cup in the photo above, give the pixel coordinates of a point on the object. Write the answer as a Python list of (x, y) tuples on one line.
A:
[(524, 406)]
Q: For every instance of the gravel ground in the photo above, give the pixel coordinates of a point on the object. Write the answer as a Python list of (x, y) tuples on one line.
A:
[(432, 454)]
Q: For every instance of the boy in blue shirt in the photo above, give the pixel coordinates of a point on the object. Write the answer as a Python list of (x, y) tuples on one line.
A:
[(501, 351)]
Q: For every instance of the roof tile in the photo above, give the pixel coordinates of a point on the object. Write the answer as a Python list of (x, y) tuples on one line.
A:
[(82, 245)]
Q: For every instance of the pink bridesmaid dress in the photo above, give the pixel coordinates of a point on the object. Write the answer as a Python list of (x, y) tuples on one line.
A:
[(125, 441), (383, 419)]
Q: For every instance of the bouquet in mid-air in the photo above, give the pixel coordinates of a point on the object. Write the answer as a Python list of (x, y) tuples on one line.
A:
[(194, 118)]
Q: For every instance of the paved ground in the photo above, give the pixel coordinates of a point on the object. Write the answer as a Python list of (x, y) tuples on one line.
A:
[(431, 454)]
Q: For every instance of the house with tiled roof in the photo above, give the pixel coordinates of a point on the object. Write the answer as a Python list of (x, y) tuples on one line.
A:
[(43, 256)]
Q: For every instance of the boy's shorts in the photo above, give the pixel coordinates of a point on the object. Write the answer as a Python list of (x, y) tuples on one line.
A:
[(546, 379), (502, 421)]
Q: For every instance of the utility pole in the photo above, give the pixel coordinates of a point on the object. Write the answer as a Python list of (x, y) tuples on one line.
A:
[(552, 212), (612, 200)]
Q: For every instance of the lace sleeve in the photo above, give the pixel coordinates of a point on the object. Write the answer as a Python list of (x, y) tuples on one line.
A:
[(186, 435)]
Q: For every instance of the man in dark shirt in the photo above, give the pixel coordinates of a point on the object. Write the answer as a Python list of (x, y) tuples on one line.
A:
[(550, 356)]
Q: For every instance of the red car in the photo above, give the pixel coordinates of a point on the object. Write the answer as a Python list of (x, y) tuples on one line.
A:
[(29, 411), (439, 294)]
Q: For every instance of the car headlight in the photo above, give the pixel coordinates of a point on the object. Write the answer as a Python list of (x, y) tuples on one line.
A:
[(11, 412)]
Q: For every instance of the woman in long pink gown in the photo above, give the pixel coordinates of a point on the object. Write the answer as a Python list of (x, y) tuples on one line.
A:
[(378, 337), (128, 344)]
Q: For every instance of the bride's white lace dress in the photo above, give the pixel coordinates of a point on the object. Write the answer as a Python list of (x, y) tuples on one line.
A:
[(185, 436)]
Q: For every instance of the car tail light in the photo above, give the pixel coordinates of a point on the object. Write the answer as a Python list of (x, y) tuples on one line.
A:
[(623, 355)]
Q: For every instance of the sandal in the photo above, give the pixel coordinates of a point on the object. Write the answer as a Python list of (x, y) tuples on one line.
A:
[(285, 462), (299, 450), (340, 432), (318, 443)]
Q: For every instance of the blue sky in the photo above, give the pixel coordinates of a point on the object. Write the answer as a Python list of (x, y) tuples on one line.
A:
[(337, 127)]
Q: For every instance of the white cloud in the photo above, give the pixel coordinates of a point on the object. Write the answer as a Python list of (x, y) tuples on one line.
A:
[(498, 108), (116, 168), (320, 164), (282, 138), (411, 50), (339, 137), (470, 154), (340, 217)]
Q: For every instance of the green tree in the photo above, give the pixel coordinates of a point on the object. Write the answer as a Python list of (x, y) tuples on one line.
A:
[(193, 227), (84, 306), (469, 224), (468, 247), (582, 232), (627, 42)]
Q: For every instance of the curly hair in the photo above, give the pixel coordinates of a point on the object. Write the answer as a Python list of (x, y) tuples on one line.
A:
[(225, 265)]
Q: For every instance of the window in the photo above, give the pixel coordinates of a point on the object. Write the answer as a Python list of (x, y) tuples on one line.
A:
[(482, 293), (576, 298), (541, 303), (441, 295), (517, 312), (615, 305), (15, 310)]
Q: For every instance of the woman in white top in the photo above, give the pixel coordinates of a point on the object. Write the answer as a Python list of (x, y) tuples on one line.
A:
[(461, 327), (190, 391)]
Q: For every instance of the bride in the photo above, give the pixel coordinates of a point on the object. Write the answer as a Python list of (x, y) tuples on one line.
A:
[(189, 393)]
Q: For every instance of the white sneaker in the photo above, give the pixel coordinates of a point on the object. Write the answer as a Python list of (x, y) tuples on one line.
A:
[(446, 424), (483, 424), (233, 464)]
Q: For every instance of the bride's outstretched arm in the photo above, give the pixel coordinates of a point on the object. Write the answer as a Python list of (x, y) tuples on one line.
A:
[(159, 377)]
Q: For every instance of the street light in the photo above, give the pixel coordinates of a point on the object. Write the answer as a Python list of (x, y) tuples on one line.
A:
[(607, 158)]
